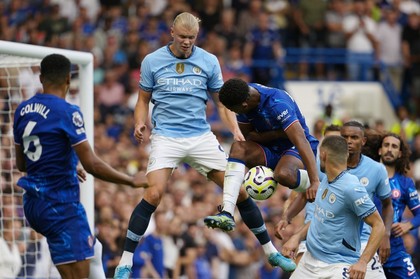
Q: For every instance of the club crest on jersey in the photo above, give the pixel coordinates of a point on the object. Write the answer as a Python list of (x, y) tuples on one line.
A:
[(77, 119), (364, 181), (395, 194), (324, 194), (332, 198), (196, 70), (180, 67)]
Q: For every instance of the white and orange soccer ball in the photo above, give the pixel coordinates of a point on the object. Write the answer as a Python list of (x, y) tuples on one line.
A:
[(259, 183)]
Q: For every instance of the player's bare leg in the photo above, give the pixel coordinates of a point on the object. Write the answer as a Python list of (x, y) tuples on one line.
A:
[(75, 270), (253, 219)]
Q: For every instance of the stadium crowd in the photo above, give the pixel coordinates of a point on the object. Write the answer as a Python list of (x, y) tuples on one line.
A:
[(241, 34)]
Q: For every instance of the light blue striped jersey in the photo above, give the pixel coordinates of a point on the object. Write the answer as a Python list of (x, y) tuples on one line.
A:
[(179, 89), (339, 209), (373, 176)]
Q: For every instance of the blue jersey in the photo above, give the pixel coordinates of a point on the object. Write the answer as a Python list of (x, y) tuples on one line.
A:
[(277, 110), (404, 194), (47, 127), (179, 89), (152, 248), (374, 177), (342, 203)]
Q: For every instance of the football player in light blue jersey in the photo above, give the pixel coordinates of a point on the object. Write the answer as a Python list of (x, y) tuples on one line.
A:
[(333, 234), (330, 130), (373, 176), (177, 79), (50, 139), (394, 154)]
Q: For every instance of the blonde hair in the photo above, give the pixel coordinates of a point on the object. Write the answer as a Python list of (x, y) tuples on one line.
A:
[(187, 20)]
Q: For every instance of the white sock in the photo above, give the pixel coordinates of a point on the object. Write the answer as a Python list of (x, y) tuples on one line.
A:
[(96, 269), (126, 259), (269, 248), (304, 182), (234, 177)]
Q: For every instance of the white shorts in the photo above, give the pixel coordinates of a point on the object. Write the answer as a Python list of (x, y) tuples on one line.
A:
[(374, 267), (302, 247), (309, 267), (204, 153)]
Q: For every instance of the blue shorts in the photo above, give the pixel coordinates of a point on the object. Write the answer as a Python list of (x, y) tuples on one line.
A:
[(400, 266), (272, 157), (65, 227)]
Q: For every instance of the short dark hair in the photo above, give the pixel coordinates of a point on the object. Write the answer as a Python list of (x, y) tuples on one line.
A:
[(55, 68), (332, 128), (354, 123), (338, 147), (234, 92)]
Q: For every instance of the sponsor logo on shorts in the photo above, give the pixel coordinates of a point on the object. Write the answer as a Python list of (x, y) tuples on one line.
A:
[(90, 241), (152, 161)]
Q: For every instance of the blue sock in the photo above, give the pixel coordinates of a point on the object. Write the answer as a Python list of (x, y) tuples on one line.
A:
[(252, 217), (139, 221)]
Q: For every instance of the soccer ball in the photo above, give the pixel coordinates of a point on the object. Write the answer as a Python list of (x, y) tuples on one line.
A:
[(259, 183)]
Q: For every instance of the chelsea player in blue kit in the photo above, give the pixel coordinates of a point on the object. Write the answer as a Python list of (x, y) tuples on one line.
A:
[(178, 79), (394, 154), (277, 137), (50, 139), (333, 234)]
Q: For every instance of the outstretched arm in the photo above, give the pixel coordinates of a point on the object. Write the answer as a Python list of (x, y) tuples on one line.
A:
[(98, 168), (297, 202), (358, 270), (290, 247)]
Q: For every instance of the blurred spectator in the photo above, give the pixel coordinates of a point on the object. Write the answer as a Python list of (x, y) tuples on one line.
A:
[(210, 14), (415, 160), (227, 28), (330, 117), (185, 266), (108, 233), (318, 128), (248, 19), (310, 18), (360, 30), (10, 261), (411, 55), (29, 81), (148, 256), (262, 50), (334, 18), (390, 53), (279, 11), (54, 24), (405, 127), (110, 95)]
